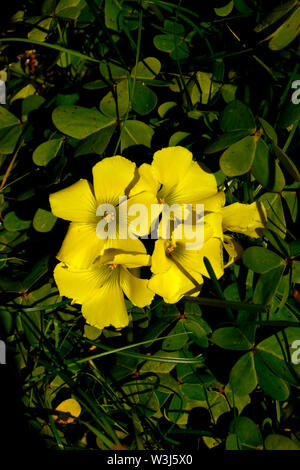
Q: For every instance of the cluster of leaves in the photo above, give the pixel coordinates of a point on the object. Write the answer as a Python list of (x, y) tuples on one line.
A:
[(92, 78)]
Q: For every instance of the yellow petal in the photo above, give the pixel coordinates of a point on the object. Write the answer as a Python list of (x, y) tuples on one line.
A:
[(160, 260), (173, 284), (68, 406), (141, 219), (171, 164), (213, 250), (107, 307), (233, 248), (213, 225), (75, 203), (249, 219), (136, 289), (215, 202), (80, 284), (146, 181), (112, 176), (185, 234), (193, 260), (81, 245), (194, 186), (130, 245), (130, 260)]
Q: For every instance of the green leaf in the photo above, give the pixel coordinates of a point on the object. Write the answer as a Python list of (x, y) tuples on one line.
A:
[(28, 90), (237, 116), (276, 350), (291, 199), (144, 99), (69, 9), (163, 367), (261, 260), (295, 248), (173, 27), (225, 10), (95, 85), (164, 42), (165, 107), (112, 71), (224, 141), (278, 12), (236, 401), (278, 242), (287, 163), (8, 240), (37, 34), (173, 44), (286, 33), (135, 133), (146, 69), (231, 338), (176, 409), (193, 391), (31, 103), (238, 158), (242, 7), (269, 130), (112, 15), (228, 92), (248, 434), (66, 98), (48, 7), (243, 377), (177, 137), (39, 269), (199, 334), (43, 221), (31, 324), (266, 170), (290, 115), (7, 119), (79, 122), (177, 342), (216, 403), (279, 442), (267, 285), (120, 101), (12, 222), (204, 88), (9, 138), (276, 218), (91, 332), (95, 143), (232, 442), (269, 382), (46, 151), (296, 272)]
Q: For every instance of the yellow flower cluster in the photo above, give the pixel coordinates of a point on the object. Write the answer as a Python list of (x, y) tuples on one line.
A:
[(96, 272)]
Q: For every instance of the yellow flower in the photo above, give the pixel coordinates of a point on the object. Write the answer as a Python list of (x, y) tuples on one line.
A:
[(78, 203), (175, 178), (70, 406), (250, 219), (178, 271), (100, 288)]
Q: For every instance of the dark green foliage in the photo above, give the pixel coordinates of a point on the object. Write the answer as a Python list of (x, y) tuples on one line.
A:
[(89, 79)]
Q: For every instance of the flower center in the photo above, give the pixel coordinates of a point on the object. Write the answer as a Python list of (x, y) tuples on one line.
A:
[(171, 248), (109, 216), (112, 266)]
